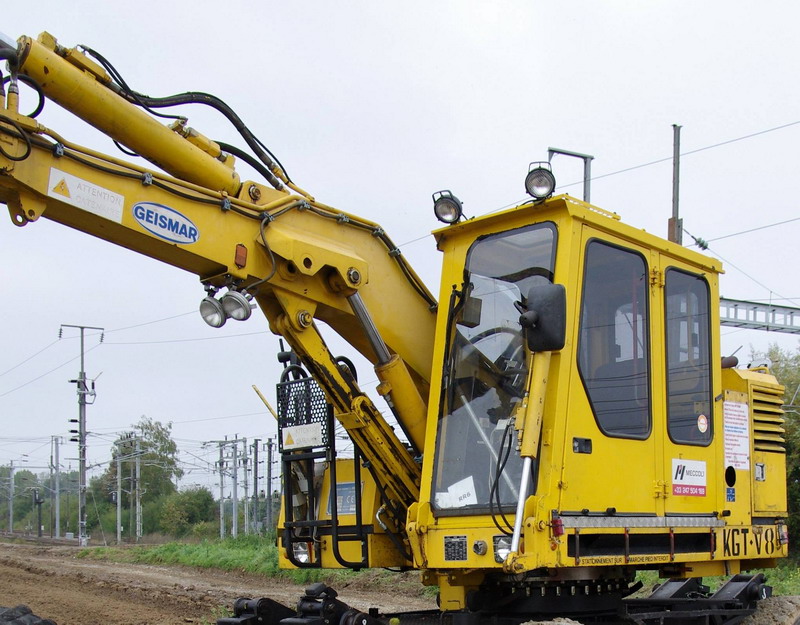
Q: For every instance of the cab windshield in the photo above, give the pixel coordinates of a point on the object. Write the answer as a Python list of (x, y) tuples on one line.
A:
[(486, 370)]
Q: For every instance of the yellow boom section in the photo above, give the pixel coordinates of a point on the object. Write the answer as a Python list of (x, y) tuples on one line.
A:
[(80, 92), (302, 261)]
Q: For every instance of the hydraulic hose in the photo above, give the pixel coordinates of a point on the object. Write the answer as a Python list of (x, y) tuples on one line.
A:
[(199, 97)]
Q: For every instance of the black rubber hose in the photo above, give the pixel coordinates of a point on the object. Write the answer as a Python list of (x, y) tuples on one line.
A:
[(20, 134), (198, 97), (194, 97), (247, 158), (33, 85)]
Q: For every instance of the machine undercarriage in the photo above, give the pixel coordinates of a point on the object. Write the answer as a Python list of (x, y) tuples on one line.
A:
[(681, 601)]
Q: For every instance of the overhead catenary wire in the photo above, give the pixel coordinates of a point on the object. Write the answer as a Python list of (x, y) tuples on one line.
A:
[(170, 341), (191, 340), (29, 358), (138, 325), (111, 343), (147, 323), (643, 165), (688, 152), (39, 377), (701, 242), (743, 272)]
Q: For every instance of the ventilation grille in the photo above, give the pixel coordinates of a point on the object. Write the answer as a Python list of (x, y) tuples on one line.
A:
[(768, 430)]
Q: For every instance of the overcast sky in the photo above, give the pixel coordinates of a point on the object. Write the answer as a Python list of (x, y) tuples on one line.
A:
[(372, 106)]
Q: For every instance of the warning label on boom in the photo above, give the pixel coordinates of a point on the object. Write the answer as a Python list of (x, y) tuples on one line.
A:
[(85, 195)]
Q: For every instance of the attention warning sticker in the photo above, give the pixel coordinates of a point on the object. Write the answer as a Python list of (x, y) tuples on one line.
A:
[(85, 195), (302, 436)]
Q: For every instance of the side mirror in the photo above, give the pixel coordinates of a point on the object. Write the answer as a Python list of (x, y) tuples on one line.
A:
[(545, 322)]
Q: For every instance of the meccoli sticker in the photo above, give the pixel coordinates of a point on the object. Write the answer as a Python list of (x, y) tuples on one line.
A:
[(165, 223), (688, 477)]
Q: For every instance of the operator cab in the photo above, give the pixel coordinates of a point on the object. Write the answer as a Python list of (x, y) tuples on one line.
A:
[(630, 395)]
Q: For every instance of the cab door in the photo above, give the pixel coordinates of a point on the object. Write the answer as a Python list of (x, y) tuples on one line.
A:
[(686, 351), (610, 453)]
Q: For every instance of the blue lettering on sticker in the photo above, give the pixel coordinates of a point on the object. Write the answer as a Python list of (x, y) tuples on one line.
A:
[(165, 223)]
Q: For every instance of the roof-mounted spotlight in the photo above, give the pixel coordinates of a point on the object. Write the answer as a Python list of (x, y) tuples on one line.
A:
[(447, 207), (236, 305), (212, 312), (540, 181)]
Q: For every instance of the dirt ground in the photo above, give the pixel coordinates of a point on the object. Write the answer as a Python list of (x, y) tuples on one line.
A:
[(71, 591)]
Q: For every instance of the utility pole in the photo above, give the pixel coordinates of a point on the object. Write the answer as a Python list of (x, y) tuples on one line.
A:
[(131, 504), (11, 498), (234, 474), (57, 488), (129, 448), (138, 489), (83, 392), (119, 491), (269, 484), (676, 223), (235, 492), (245, 459), (119, 497), (221, 490), (256, 443), (69, 482), (51, 488)]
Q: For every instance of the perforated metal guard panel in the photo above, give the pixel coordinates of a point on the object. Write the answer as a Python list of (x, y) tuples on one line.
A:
[(301, 402)]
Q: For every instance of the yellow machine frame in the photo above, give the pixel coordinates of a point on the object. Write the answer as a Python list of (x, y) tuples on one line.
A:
[(600, 506)]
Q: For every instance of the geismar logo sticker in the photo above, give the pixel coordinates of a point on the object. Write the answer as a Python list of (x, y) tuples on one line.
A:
[(165, 223)]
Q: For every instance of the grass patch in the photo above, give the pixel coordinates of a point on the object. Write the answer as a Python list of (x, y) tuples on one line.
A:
[(216, 614), (250, 554), (256, 555)]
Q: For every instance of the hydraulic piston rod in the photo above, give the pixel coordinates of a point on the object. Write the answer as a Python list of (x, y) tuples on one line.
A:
[(396, 385)]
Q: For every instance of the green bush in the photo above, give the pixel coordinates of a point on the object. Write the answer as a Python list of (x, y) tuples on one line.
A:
[(205, 530)]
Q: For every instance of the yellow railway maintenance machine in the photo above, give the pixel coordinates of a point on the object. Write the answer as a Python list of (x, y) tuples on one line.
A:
[(567, 419)]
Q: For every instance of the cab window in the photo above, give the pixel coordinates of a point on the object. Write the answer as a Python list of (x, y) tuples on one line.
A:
[(614, 341), (477, 466), (688, 358)]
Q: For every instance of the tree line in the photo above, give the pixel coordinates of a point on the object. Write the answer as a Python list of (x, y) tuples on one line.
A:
[(165, 509)]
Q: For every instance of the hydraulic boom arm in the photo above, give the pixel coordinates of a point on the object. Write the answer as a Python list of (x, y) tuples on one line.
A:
[(301, 261)]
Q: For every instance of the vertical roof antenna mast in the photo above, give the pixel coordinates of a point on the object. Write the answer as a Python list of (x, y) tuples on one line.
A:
[(675, 224)]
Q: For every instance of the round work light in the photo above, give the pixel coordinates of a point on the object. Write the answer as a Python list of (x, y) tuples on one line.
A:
[(540, 181), (236, 305), (212, 312), (446, 207)]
